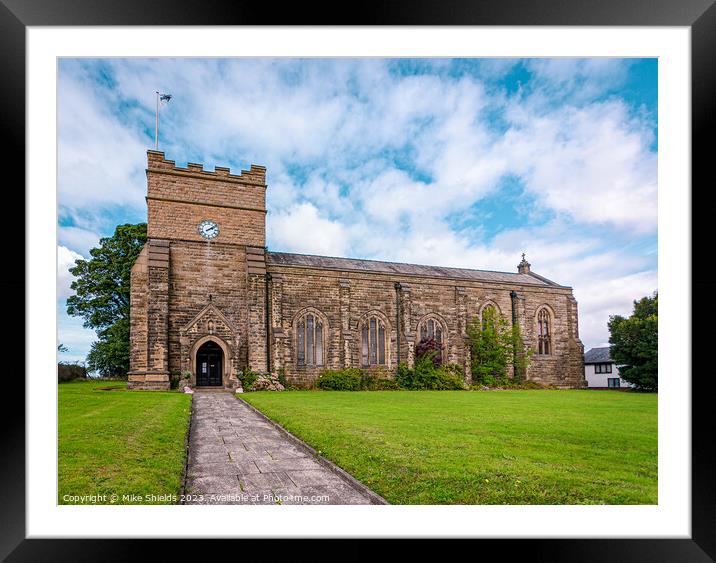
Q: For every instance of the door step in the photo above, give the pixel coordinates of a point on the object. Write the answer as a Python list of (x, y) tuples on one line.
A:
[(212, 389)]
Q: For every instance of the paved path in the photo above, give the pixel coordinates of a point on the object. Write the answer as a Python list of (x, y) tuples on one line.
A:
[(236, 456)]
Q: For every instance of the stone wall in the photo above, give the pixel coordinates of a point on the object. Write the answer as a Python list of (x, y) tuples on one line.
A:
[(343, 298)]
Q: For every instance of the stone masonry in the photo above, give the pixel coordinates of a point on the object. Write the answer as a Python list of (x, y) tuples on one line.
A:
[(231, 290)]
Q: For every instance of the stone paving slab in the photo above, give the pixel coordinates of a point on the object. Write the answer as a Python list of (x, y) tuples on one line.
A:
[(236, 456)]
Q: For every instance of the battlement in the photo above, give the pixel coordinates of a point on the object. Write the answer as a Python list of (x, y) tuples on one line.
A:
[(156, 162)]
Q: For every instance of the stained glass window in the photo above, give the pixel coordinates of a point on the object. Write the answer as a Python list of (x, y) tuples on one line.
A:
[(310, 345), (544, 335), (373, 345)]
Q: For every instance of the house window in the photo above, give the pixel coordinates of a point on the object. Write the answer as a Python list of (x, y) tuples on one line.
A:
[(613, 382), (373, 342), (431, 328), (309, 341), (544, 333), (602, 368)]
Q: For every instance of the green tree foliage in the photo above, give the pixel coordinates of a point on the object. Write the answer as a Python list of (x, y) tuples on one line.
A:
[(102, 296), (634, 343), (494, 346)]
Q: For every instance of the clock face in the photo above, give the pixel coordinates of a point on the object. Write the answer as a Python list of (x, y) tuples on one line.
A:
[(208, 229)]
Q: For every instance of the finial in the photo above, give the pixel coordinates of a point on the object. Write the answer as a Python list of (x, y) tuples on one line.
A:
[(524, 266)]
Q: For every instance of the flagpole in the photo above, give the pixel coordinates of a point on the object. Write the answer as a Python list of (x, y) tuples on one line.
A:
[(156, 125)]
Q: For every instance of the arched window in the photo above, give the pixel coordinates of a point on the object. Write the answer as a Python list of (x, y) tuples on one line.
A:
[(431, 328), (372, 349), (309, 341), (544, 332)]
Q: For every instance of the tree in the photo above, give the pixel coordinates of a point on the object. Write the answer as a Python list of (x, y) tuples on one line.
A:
[(102, 296), (634, 343), (495, 345)]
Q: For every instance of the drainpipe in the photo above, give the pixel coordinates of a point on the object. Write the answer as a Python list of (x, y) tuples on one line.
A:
[(268, 325), (398, 287), (513, 296)]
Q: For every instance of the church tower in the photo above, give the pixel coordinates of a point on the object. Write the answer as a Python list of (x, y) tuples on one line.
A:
[(198, 286)]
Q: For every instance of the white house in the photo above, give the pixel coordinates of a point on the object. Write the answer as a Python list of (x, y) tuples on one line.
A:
[(600, 371)]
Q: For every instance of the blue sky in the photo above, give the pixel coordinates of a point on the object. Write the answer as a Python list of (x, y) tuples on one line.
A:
[(454, 162)]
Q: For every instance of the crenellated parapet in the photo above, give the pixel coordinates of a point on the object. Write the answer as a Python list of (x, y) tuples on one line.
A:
[(156, 162)]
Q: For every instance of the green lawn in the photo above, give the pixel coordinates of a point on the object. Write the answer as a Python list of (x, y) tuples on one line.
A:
[(494, 447), (121, 442)]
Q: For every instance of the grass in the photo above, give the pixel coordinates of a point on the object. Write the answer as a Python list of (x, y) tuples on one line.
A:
[(114, 441), (497, 447)]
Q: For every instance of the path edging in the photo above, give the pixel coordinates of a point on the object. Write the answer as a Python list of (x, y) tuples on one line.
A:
[(374, 497), (187, 440)]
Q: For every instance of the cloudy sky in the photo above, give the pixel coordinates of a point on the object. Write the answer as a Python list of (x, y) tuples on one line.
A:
[(453, 162)]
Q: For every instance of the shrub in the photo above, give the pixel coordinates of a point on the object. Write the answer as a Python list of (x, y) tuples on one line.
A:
[(174, 381), (425, 375), (247, 378), (266, 382), (348, 379), (431, 349), (282, 378), (67, 371), (376, 380), (494, 346), (404, 376), (508, 383)]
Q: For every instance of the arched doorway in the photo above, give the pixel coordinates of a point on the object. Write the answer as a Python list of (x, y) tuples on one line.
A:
[(209, 364)]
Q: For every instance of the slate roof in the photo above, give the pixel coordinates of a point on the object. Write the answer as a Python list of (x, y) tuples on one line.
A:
[(376, 266), (598, 356)]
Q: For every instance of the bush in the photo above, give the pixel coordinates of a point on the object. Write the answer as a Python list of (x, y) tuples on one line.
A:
[(282, 378), (377, 380), (431, 349), (425, 375), (494, 346), (174, 381), (508, 383), (340, 380), (266, 382), (247, 378), (67, 371)]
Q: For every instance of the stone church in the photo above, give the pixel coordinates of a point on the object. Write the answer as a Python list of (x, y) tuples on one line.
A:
[(208, 297)]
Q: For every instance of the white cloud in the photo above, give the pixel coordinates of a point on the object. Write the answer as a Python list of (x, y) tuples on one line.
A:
[(301, 229), (101, 159), (77, 239), (592, 163), (66, 259)]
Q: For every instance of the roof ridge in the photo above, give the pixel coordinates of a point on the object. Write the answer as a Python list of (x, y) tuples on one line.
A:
[(404, 264)]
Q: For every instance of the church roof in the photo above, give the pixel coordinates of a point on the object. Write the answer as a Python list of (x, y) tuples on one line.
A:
[(598, 356), (376, 266)]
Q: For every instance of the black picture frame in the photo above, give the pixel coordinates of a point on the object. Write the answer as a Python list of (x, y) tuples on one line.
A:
[(699, 15)]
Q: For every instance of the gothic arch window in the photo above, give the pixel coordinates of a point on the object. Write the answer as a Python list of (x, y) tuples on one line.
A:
[(310, 340), (373, 344), (431, 327), (544, 332)]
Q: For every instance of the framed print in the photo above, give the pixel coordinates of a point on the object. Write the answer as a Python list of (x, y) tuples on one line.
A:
[(275, 258)]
